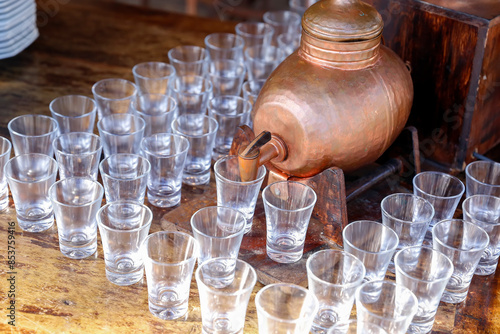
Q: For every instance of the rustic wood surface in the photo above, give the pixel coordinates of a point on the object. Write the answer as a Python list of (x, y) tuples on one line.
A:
[(82, 42)]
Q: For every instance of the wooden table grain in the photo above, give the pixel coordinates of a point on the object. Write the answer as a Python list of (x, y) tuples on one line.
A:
[(80, 43)]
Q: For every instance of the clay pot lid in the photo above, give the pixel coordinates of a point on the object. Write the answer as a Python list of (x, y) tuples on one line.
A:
[(342, 21)]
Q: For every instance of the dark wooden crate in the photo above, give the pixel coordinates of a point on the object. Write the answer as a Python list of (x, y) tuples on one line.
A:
[(453, 48)]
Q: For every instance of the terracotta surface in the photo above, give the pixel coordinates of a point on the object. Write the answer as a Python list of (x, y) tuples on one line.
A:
[(80, 44)]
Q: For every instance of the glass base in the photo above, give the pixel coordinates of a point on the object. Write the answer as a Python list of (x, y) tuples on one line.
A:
[(486, 268), (196, 179), (124, 279), (283, 257), (168, 313), (164, 201), (421, 328), (38, 225), (454, 297), (79, 252)]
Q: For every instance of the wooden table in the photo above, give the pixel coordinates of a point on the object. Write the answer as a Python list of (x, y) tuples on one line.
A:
[(80, 43)]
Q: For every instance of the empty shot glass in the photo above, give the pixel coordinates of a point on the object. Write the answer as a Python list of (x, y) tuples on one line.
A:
[(386, 304), (288, 207), (189, 60), (463, 243), (157, 110), (114, 96), (262, 60), (153, 77), (289, 42), (224, 46), (76, 201), (167, 154), (30, 177), (227, 76), (354, 326), (200, 131), (74, 113), (484, 211), (223, 308), (442, 190), (333, 277), (426, 273), (33, 134), (483, 177), (283, 21), (373, 243), (255, 33), (285, 308), (235, 193), (219, 231), (251, 90), (123, 227), (5, 149), (121, 133), (192, 94), (229, 111), (78, 154), (125, 177), (300, 6), (169, 259)]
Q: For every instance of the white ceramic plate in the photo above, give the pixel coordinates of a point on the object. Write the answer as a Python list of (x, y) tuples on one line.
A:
[(30, 38)]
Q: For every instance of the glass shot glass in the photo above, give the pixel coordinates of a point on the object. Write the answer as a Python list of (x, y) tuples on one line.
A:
[(463, 243), (285, 308), (74, 113), (30, 177), (189, 60), (200, 131), (283, 21), (192, 94), (114, 96), (5, 149), (219, 231), (300, 6), (125, 177), (229, 111), (354, 326), (484, 211), (167, 154), (169, 259), (123, 227), (157, 111), (76, 201), (386, 304), (262, 60), (442, 190), (121, 133), (409, 216), (251, 90), (483, 177), (33, 134), (333, 277), (255, 33), (288, 206), (223, 309), (153, 77), (289, 42), (373, 243), (426, 273), (78, 154), (234, 193), (224, 46), (227, 76)]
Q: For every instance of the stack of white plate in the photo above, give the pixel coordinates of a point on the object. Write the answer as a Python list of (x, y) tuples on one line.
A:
[(17, 26)]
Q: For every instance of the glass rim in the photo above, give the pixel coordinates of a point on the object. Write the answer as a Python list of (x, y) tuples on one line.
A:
[(481, 162), (307, 292), (127, 82), (395, 286), (69, 134), (372, 222), (470, 198), (414, 197), (186, 236), (9, 147), (305, 186), (269, 49), (455, 179), (217, 291), (462, 250), (343, 253), (142, 124), (222, 178), (210, 208), (32, 155), (166, 65), (68, 179), (171, 102), (106, 160), (238, 39), (83, 97), (148, 223), (269, 29), (55, 125), (269, 17), (247, 106), (158, 135), (208, 82), (239, 66), (209, 118), (432, 250), (203, 50)]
